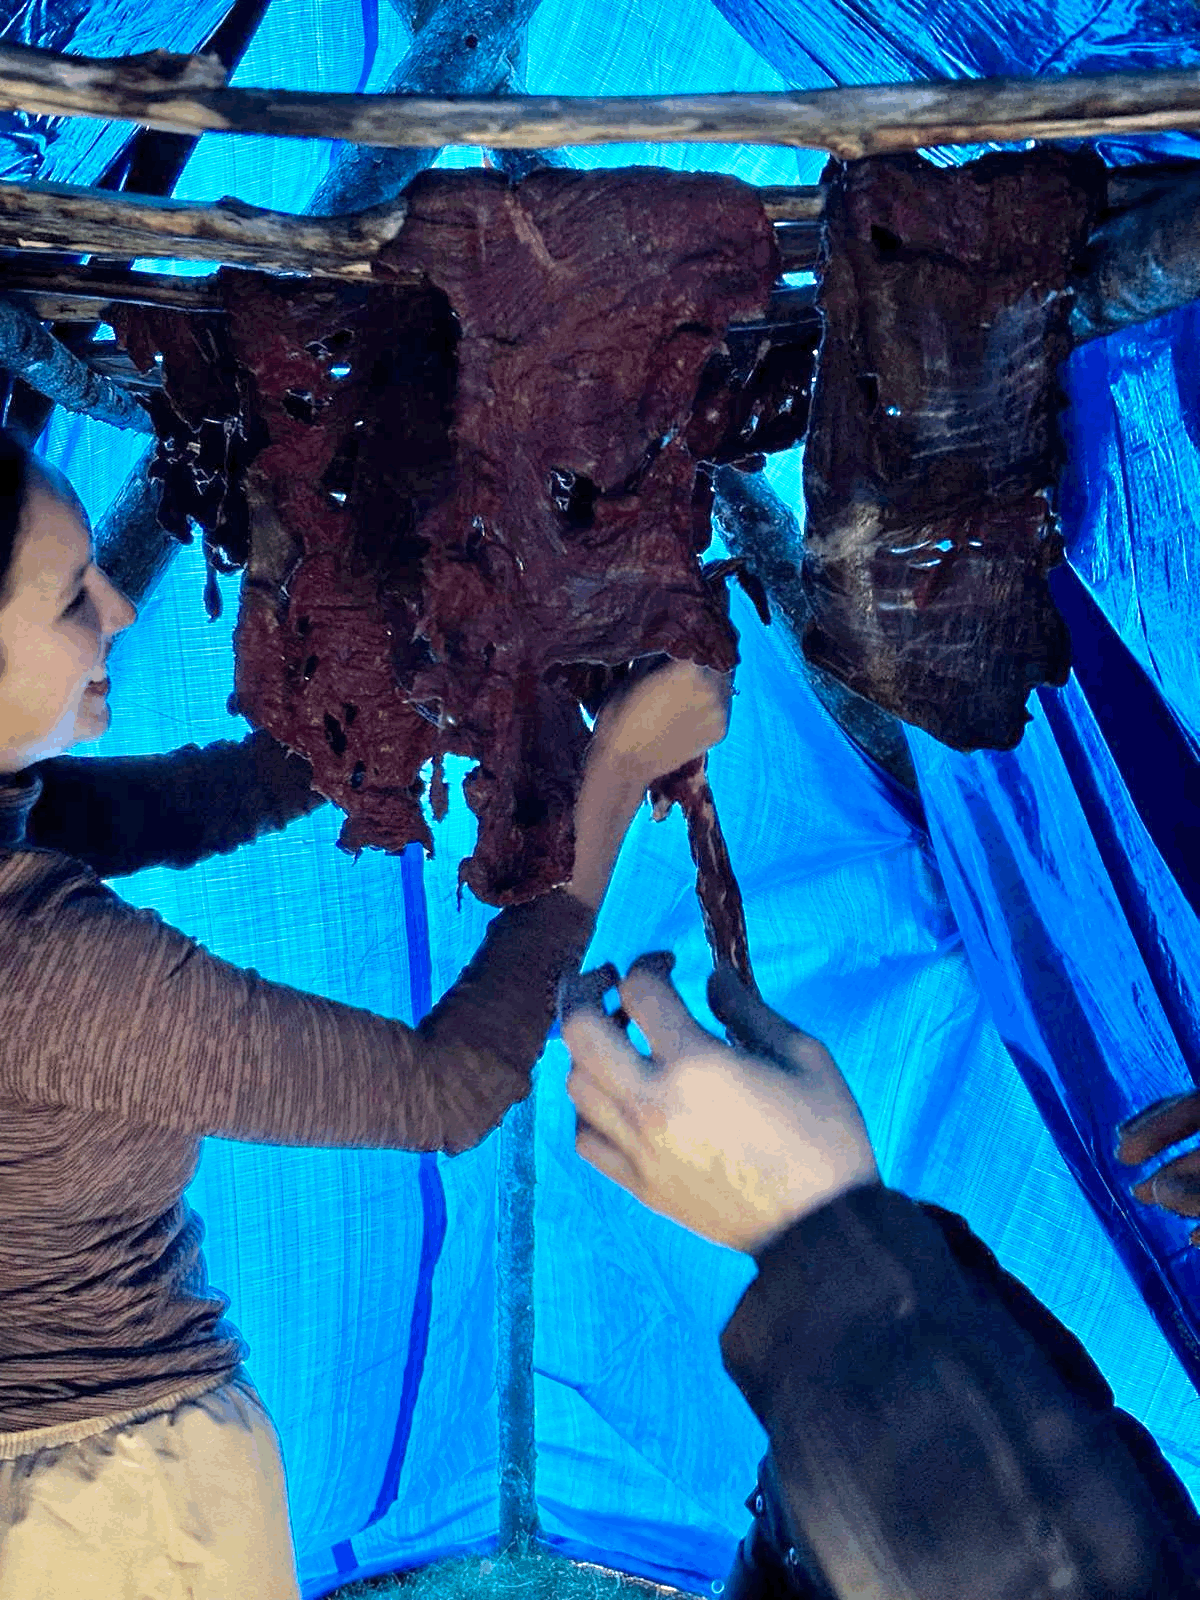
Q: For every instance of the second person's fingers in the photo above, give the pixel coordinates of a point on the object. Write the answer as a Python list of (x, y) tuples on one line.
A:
[(1162, 1124), (649, 996), (602, 1154), (580, 991), (602, 1052), (1175, 1187), (611, 1110), (752, 1024)]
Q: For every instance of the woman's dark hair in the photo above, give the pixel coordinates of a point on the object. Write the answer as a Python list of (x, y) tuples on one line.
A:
[(14, 485)]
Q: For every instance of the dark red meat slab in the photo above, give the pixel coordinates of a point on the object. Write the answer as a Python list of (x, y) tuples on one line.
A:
[(588, 305), (467, 495), (933, 448)]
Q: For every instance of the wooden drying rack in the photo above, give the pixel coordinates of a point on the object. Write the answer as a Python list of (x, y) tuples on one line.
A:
[(190, 94)]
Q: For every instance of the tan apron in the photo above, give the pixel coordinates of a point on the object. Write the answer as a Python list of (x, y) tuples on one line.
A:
[(189, 1504)]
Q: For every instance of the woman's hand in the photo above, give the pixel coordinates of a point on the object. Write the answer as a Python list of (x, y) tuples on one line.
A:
[(736, 1143), (1176, 1185), (658, 721), (653, 724)]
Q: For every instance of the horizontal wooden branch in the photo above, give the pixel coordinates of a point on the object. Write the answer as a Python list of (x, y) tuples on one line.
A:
[(88, 293), (801, 204), (79, 221), (188, 95), (111, 360)]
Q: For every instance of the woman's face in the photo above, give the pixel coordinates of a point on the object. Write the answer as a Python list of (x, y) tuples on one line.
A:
[(57, 623)]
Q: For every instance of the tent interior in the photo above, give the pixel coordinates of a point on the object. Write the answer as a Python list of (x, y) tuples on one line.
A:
[(1004, 965)]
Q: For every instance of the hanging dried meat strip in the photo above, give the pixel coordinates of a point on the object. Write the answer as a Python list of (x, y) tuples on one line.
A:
[(716, 886), (933, 448), (470, 495), (354, 391)]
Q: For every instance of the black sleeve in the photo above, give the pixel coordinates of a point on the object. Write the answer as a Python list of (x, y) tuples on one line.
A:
[(1074, 1367), (934, 1433), (120, 815)]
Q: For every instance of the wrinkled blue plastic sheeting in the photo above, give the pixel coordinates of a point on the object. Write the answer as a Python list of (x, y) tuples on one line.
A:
[(646, 1452), (78, 149), (1089, 958), (1071, 862), (1131, 495), (825, 42)]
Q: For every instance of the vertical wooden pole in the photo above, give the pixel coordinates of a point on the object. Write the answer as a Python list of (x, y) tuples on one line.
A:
[(515, 1178)]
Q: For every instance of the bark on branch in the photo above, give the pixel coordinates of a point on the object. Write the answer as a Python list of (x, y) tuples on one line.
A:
[(63, 219), (87, 294), (799, 204), (187, 94), (457, 49), (27, 350), (82, 221), (1143, 262)]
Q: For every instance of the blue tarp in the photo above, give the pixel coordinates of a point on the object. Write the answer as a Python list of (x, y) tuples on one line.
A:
[(1040, 897)]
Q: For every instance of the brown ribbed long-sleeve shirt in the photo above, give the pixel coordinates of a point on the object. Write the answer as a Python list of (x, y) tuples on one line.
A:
[(123, 1043)]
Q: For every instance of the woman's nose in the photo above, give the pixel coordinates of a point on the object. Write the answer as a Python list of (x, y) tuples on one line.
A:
[(120, 613)]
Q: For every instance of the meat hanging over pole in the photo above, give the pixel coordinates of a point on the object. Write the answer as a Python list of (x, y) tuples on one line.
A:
[(933, 449), (464, 504)]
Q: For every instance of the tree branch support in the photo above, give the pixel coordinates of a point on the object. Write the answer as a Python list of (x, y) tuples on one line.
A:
[(188, 94)]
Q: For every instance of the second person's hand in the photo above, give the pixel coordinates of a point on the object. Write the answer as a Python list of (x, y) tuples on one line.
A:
[(1175, 1186), (736, 1143)]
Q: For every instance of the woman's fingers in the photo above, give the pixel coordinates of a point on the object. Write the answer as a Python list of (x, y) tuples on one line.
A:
[(1162, 1124), (649, 997), (1175, 1187)]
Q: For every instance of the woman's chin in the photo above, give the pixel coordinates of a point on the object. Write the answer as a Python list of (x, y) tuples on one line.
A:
[(94, 719)]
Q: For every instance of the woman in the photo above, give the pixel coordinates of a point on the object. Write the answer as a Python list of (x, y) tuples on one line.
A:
[(135, 1458)]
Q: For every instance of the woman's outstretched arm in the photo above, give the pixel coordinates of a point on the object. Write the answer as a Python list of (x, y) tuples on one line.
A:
[(123, 813), (108, 1009)]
